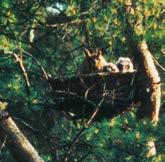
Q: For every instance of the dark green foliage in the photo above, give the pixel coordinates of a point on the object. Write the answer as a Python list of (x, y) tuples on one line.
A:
[(60, 38)]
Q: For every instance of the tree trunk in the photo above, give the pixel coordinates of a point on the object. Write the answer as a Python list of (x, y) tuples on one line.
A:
[(150, 102), (16, 142), (151, 97)]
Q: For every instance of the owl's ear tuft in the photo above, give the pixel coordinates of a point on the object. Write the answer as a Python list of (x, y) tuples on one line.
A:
[(87, 53)]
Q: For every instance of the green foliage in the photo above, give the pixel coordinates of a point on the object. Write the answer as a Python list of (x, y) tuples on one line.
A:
[(121, 139), (58, 46)]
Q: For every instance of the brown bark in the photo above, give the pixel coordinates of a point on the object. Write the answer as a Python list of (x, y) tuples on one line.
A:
[(16, 142), (151, 105), (152, 97)]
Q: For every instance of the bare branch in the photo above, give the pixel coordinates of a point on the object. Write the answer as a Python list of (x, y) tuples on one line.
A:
[(37, 62), (19, 61), (158, 64)]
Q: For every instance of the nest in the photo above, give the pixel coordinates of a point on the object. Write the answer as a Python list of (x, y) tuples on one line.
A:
[(81, 94)]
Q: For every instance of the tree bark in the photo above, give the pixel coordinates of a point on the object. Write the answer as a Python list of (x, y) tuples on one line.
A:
[(151, 97), (150, 102), (16, 142)]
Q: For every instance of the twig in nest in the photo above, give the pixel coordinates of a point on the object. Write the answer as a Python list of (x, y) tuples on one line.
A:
[(96, 111), (87, 91)]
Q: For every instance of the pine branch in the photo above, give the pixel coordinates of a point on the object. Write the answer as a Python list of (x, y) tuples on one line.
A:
[(19, 61)]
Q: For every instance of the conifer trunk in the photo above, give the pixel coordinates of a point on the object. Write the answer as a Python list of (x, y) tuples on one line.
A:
[(150, 101), (151, 98), (16, 142)]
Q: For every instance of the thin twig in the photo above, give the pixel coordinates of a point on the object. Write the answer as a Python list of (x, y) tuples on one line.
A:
[(38, 63), (84, 128), (26, 124), (95, 112), (19, 61), (87, 91), (3, 144), (158, 64), (74, 95)]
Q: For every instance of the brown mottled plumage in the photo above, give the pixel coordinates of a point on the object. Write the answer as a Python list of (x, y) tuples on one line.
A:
[(93, 62)]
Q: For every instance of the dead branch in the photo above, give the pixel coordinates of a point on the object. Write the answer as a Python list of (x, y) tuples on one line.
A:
[(158, 64), (96, 110), (87, 125), (19, 61), (16, 142), (37, 62)]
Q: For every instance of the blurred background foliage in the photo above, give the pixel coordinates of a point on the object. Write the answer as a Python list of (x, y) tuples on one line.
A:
[(55, 33)]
